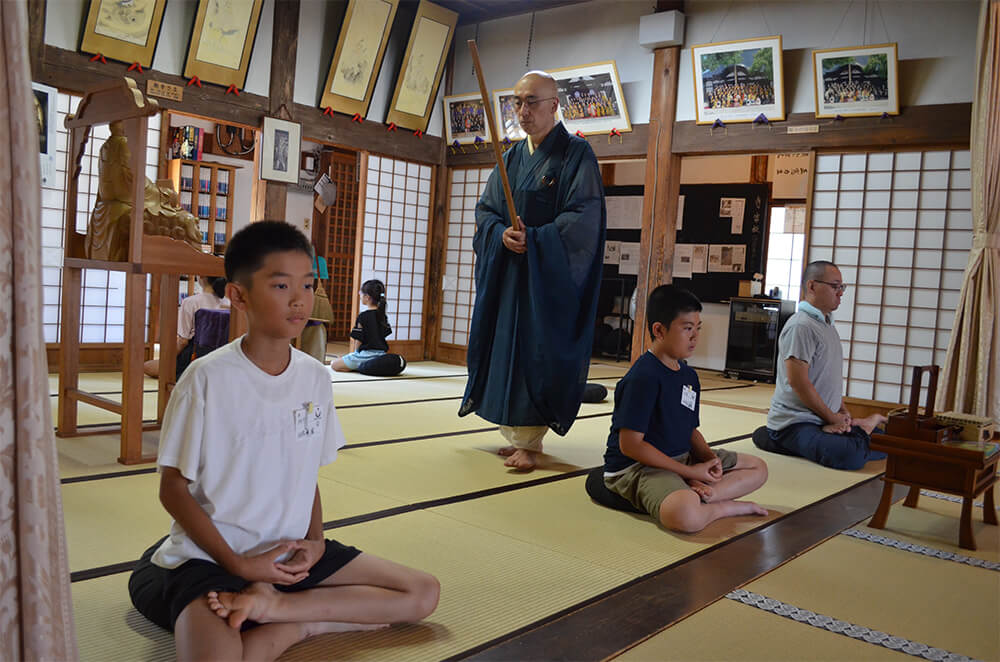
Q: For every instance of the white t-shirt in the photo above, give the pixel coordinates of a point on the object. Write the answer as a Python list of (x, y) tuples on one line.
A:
[(251, 444), (191, 305)]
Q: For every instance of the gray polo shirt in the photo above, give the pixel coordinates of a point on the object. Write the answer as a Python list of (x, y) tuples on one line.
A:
[(811, 337)]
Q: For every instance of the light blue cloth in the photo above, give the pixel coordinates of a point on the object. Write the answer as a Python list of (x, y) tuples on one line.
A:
[(355, 359)]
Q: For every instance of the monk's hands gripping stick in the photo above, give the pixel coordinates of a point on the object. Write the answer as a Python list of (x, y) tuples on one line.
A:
[(514, 240)]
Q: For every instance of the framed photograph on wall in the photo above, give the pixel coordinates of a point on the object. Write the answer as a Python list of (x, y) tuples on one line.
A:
[(423, 62), (124, 31), (358, 56), (591, 99), (280, 150), (465, 119), (46, 115), (506, 115), (222, 40), (737, 81), (857, 81)]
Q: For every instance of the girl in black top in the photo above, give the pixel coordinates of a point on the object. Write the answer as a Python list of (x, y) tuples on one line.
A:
[(370, 330)]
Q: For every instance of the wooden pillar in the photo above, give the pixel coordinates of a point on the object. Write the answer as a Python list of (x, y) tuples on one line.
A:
[(284, 44), (659, 201), (36, 36), (169, 286)]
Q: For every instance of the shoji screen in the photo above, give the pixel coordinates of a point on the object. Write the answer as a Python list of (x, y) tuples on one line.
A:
[(394, 243), (899, 226), (459, 286), (103, 314)]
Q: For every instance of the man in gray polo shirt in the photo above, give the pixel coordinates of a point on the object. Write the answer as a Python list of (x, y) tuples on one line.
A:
[(808, 417)]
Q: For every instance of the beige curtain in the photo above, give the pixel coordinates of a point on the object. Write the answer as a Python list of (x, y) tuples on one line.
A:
[(36, 621), (971, 381)]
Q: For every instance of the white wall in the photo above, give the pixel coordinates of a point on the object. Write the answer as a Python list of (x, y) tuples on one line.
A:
[(936, 42)]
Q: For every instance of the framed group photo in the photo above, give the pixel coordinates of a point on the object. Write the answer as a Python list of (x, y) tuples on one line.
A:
[(123, 31), (465, 119), (737, 81), (857, 81), (423, 64), (280, 148), (591, 99), (222, 40), (358, 57)]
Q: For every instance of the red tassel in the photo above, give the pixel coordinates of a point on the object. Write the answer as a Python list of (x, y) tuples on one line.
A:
[(232, 88), (328, 111), (194, 81), (134, 66), (99, 58), (391, 127), (357, 118), (580, 134), (418, 133)]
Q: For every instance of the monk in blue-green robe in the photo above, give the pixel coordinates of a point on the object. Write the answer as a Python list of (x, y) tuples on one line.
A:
[(536, 289)]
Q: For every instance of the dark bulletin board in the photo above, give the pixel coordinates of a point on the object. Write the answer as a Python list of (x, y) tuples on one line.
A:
[(703, 225)]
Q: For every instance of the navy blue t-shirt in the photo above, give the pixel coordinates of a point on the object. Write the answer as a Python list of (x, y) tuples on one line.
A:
[(648, 399)]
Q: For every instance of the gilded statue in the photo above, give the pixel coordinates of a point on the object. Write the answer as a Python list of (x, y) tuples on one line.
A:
[(110, 222)]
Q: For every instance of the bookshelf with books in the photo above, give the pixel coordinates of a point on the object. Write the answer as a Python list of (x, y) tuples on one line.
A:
[(206, 190)]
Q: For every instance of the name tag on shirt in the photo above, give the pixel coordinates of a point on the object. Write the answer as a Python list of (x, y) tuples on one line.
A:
[(688, 397), (307, 420)]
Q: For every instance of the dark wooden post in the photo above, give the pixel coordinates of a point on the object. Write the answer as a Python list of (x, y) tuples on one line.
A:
[(659, 200), (284, 44)]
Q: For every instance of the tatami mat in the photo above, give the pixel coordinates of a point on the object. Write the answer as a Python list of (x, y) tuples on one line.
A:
[(757, 396), (936, 602), (729, 630)]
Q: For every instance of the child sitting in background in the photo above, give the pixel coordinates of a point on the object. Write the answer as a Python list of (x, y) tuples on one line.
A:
[(657, 459), (213, 297), (370, 330)]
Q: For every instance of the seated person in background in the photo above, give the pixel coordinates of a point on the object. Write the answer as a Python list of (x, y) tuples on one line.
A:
[(808, 417), (213, 297), (370, 330), (244, 435), (656, 457)]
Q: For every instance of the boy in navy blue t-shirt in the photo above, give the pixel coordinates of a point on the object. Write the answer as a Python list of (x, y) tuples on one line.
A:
[(656, 457)]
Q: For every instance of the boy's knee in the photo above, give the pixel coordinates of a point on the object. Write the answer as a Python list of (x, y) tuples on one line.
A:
[(679, 512)]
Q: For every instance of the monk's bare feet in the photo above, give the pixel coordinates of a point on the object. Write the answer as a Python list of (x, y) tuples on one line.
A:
[(255, 603), (507, 451), (703, 490), (521, 459), (748, 508), (871, 422), (836, 428)]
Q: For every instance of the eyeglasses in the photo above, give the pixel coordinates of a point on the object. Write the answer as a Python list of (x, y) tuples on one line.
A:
[(529, 102), (839, 288)]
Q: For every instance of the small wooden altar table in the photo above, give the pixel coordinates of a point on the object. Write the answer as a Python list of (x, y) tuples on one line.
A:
[(941, 467)]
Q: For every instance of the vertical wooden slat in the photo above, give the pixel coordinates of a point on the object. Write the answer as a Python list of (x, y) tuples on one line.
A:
[(169, 290), (659, 203), (359, 234), (284, 46), (69, 348), (132, 376)]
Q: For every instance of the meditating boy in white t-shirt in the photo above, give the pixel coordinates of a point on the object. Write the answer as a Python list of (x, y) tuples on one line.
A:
[(244, 435)]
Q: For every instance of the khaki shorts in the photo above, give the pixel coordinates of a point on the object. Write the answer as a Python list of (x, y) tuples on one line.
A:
[(646, 487)]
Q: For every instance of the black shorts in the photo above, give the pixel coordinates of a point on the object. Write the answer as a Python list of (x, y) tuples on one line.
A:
[(161, 595)]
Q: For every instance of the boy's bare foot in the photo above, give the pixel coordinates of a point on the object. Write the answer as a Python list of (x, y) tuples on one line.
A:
[(521, 459), (507, 451), (703, 490), (254, 603), (748, 508), (315, 628), (871, 422)]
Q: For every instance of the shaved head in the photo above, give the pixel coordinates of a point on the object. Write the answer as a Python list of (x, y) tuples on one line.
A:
[(540, 82)]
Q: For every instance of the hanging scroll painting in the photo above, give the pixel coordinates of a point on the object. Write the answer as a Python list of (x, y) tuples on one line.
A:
[(358, 57), (222, 40), (124, 31)]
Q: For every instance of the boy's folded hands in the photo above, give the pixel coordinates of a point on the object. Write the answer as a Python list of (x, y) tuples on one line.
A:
[(265, 568)]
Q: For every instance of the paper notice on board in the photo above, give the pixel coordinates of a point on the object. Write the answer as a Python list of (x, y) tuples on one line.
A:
[(682, 260), (628, 262), (680, 212), (612, 252), (727, 258), (624, 212), (699, 258), (737, 225), (795, 219)]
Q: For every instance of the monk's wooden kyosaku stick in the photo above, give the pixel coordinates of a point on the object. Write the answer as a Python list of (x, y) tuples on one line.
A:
[(494, 136)]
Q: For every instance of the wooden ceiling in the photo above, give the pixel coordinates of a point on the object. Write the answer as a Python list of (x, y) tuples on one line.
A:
[(477, 11)]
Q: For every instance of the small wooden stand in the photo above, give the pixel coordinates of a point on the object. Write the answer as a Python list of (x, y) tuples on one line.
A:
[(919, 456), (166, 258), (951, 469)]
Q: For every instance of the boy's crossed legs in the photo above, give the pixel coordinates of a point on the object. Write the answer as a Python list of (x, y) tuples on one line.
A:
[(692, 510)]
